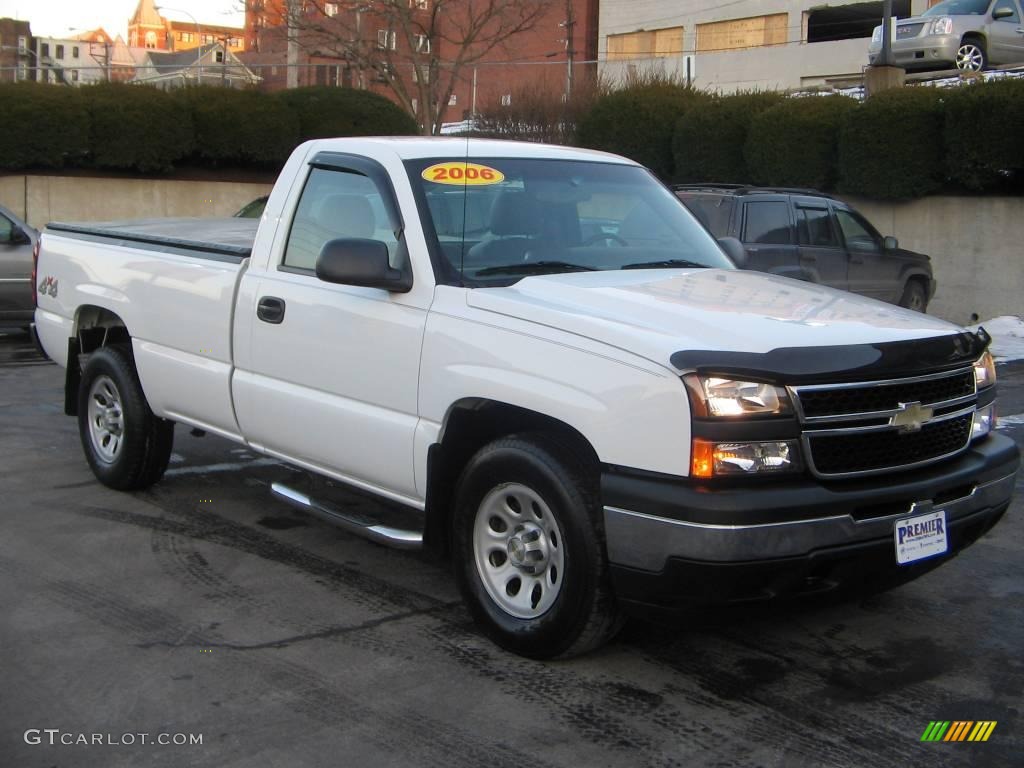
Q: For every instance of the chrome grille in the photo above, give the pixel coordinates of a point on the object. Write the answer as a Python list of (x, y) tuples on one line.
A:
[(850, 429), (903, 31)]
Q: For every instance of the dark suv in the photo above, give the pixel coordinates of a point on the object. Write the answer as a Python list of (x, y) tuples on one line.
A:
[(811, 236)]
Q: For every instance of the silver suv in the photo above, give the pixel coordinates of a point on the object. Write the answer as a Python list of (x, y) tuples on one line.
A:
[(967, 34)]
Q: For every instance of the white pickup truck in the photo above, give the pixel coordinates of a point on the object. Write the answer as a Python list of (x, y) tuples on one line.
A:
[(548, 364)]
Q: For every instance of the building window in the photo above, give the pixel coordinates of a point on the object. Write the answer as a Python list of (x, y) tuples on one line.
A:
[(74, 75), (60, 51), (652, 44), (754, 32), (848, 22), (22, 44), (387, 39), (151, 39), (420, 5), (331, 9), (218, 57), (422, 44), (506, 100), (44, 49), (74, 52), (421, 74), (452, 100)]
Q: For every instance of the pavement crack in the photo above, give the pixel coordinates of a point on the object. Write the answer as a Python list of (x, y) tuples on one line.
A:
[(322, 634)]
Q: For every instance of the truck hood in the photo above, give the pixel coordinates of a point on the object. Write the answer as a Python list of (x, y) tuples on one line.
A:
[(659, 313)]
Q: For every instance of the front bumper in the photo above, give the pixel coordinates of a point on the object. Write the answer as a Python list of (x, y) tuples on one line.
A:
[(670, 542), (919, 52)]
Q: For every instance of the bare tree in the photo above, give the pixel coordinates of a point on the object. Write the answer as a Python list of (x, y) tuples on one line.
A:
[(419, 50)]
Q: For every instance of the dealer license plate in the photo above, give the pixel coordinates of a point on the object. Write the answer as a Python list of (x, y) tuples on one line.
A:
[(920, 537)]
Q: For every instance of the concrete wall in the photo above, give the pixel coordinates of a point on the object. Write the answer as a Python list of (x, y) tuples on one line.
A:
[(794, 65), (976, 245), (40, 199)]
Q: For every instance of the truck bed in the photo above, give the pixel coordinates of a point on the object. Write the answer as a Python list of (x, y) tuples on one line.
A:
[(222, 239)]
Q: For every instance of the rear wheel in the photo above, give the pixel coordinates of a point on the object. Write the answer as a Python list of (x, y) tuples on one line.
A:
[(971, 55), (127, 447), (914, 296), (528, 541)]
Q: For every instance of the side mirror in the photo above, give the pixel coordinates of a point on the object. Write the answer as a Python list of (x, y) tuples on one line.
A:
[(356, 261), (890, 243), (1002, 12), (734, 250)]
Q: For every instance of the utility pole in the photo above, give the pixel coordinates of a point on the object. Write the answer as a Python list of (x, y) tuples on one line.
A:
[(885, 57), (570, 52), (292, 9)]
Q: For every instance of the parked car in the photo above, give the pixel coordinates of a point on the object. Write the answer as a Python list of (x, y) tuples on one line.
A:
[(253, 210), (586, 423), (811, 236), (966, 34), (17, 239)]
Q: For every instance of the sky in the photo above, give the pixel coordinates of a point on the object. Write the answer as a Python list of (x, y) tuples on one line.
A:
[(52, 18)]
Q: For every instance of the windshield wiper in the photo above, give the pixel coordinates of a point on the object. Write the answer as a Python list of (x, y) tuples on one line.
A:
[(664, 263), (529, 267)]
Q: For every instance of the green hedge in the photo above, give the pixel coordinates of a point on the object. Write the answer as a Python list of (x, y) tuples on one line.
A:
[(42, 126), (133, 127), (638, 122), (141, 128), (794, 144), (984, 135), (891, 146), (325, 112), (708, 142)]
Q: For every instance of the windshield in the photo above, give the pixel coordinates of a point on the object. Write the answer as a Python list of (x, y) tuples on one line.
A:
[(958, 8), (497, 220)]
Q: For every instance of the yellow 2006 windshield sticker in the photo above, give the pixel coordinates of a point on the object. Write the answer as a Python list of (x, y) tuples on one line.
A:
[(461, 173)]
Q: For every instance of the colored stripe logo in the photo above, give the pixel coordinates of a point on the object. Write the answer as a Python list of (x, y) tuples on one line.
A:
[(958, 730)]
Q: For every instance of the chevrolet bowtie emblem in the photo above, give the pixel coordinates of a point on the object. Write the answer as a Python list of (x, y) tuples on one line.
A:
[(911, 417)]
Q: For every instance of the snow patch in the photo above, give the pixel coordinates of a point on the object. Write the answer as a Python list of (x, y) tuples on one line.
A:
[(1007, 334)]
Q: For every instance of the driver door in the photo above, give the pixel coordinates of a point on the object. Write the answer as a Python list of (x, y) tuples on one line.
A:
[(15, 272)]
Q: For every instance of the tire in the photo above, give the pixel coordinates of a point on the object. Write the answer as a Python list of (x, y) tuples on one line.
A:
[(971, 56), (914, 296), (127, 447), (563, 604)]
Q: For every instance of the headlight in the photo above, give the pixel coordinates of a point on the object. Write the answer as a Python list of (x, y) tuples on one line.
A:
[(942, 26), (876, 35), (985, 371), (737, 459), (716, 397), (984, 421)]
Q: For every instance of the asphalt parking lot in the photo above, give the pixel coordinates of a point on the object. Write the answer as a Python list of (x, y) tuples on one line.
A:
[(204, 606)]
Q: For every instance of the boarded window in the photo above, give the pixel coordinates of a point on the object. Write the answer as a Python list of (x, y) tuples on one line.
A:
[(648, 44), (742, 33)]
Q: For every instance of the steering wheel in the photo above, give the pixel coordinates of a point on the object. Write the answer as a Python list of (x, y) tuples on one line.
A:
[(604, 236)]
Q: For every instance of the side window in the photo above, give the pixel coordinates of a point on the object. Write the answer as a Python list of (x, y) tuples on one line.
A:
[(856, 232), (6, 229), (767, 221), (336, 204), (814, 227)]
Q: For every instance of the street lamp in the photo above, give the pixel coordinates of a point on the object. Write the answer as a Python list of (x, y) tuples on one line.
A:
[(199, 33)]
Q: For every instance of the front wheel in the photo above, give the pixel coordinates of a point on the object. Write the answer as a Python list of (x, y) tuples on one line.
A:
[(914, 296), (529, 550), (126, 445), (971, 56)]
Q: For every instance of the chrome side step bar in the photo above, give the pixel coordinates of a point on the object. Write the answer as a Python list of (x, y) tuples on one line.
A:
[(368, 529)]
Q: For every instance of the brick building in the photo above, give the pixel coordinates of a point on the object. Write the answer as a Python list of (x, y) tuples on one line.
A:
[(148, 29), (17, 55), (537, 58)]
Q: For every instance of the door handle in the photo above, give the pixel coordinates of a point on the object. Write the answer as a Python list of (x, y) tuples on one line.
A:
[(808, 257), (856, 259), (270, 310)]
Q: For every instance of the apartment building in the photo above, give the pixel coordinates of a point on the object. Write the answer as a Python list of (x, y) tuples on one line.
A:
[(17, 57), (537, 58), (750, 44)]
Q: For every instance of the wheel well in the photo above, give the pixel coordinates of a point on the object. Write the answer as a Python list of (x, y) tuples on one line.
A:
[(95, 327), (469, 426), (973, 36)]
